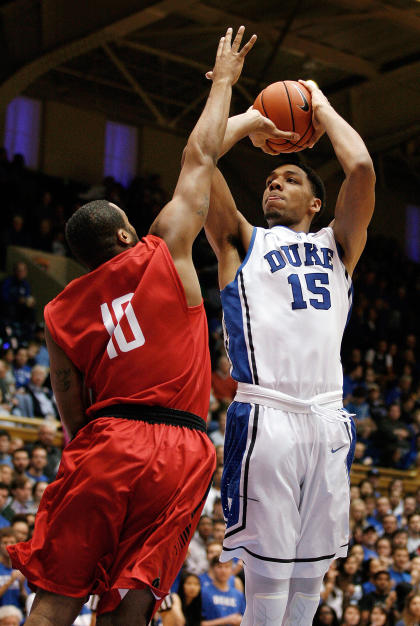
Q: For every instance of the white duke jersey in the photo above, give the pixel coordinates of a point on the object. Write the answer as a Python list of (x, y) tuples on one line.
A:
[(285, 312)]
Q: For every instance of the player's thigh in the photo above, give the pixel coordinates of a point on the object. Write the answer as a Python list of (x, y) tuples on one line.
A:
[(134, 610), (50, 608)]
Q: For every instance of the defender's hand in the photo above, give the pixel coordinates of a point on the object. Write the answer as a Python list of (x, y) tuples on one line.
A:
[(229, 59), (263, 128)]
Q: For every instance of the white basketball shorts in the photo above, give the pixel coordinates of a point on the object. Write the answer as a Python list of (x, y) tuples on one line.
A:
[(285, 487)]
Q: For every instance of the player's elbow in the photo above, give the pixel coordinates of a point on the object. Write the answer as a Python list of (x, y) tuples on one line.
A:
[(362, 168), (200, 152)]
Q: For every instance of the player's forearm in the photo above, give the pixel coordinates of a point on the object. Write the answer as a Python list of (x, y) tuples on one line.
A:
[(207, 136), (349, 147), (238, 127)]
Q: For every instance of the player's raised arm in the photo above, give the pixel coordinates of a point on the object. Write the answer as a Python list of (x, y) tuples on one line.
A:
[(356, 200), (183, 217), (227, 230)]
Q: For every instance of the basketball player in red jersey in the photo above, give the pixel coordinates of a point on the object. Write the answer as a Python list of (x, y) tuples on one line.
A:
[(130, 488)]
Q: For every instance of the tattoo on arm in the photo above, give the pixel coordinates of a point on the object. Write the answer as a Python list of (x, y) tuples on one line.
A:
[(202, 212), (62, 379)]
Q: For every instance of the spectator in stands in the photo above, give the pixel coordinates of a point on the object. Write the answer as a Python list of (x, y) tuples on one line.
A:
[(43, 236), (369, 539), (20, 527), (21, 369), (325, 616), (196, 561), (12, 582), (7, 383), (42, 356), (383, 507), (190, 597), (213, 550), (399, 571), (38, 489), (214, 491), (357, 513), (390, 525), (400, 538), (377, 407), (379, 616), (220, 456), (411, 613), (10, 615), (331, 594), (358, 404), (379, 358), (21, 489), (38, 463), (219, 600), (218, 436), (20, 462), (413, 527), (384, 551), (382, 596), (17, 299), (6, 474), (42, 397), (4, 500), (352, 380), (15, 235), (351, 616), (395, 493), (223, 385), (45, 437), (5, 457), (373, 566)]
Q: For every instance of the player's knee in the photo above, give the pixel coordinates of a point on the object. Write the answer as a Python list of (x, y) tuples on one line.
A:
[(268, 608), (301, 609)]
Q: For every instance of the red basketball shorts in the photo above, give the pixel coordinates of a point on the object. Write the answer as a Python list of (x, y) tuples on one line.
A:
[(126, 502)]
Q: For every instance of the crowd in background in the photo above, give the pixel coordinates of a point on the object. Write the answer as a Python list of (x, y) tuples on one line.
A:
[(379, 582)]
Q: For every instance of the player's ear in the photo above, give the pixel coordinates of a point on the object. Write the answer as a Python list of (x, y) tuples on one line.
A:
[(316, 205), (124, 237)]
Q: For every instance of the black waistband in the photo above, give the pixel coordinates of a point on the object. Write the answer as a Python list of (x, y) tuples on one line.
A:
[(153, 415)]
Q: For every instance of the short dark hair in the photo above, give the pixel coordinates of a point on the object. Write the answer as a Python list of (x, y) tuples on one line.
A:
[(91, 230), (19, 450), (317, 185), (380, 573), (5, 433)]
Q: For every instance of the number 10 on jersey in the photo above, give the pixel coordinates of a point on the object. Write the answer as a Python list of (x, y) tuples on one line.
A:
[(116, 332)]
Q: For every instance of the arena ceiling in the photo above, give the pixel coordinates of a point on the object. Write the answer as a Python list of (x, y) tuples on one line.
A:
[(144, 61)]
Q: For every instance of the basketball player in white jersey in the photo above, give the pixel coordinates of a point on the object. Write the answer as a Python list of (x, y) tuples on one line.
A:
[(286, 296)]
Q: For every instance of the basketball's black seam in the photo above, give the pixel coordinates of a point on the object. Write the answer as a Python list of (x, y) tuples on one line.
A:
[(290, 105), (262, 103), (266, 115)]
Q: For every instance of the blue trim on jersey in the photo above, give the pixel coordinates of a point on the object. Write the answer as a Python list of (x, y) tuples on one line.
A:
[(236, 438), (233, 317), (248, 254), (352, 435), (350, 293)]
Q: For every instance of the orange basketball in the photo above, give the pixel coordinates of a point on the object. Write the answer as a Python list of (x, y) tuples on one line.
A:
[(287, 104)]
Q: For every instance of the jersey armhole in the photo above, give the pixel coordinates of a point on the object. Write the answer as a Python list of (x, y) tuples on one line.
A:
[(248, 254), (178, 282)]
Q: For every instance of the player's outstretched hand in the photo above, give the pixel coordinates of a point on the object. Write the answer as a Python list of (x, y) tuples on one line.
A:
[(318, 100), (263, 128), (229, 57)]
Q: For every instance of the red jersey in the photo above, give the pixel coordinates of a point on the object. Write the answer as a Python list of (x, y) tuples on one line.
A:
[(128, 329)]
